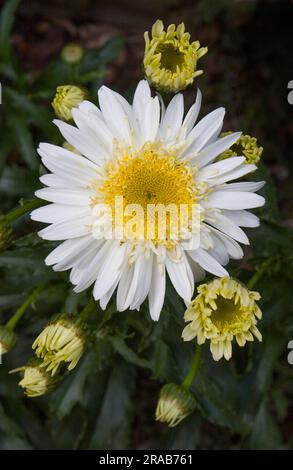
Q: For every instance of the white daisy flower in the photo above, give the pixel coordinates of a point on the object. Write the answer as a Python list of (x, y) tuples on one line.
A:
[(145, 155)]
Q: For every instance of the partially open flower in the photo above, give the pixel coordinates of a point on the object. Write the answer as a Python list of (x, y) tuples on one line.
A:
[(170, 59), (72, 53), (245, 146), (35, 380), (66, 98), (5, 233), (62, 341), (175, 403), (7, 340), (223, 309)]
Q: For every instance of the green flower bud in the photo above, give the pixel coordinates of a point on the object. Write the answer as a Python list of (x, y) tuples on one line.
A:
[(7, 340)]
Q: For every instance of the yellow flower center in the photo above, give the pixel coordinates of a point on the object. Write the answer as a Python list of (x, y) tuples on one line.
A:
[(171, 57), (228, 314), (147, 178)]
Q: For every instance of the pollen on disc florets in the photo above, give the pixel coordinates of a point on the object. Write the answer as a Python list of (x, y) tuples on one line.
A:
[(245, 146), (224, 309), (148, 177), (62, 342), (170, 59)]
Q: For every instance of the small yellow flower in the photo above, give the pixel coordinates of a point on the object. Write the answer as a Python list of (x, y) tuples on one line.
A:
[(72, 53), (222, 310), (5, 233), (62, 341), (66, 98), (170, 59), (175, 403), (35, 380), (7, 340), (245, 146)]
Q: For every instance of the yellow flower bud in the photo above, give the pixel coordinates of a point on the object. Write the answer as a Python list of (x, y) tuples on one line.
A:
[(36, 381), (66, 98), (175, 403), (170, 59), (72, 53), (245, 146), (61, 342)]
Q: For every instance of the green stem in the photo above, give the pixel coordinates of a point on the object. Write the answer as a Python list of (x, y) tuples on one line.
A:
[(87, 311), (193, 369), (259, 273), (24, 208), (10, 325)]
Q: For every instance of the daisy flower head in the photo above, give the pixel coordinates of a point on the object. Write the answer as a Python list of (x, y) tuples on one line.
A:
[(170, 59), (144, 197), (224, 309)]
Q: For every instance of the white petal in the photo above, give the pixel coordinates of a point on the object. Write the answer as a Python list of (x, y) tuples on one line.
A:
[(54, 181), (172, 120), (114, 114), (224, 224), (234, 200), (193, 113), (73, 228), (150, 121), (242, 218), (54, 213), (67, 248), (202, 132), (110, 271), (215, 170), (83, 141), (207, 262), (250, 186), (143, 284), (91, 271), (181, 277), (78, 197), (157, 290), (211, 151)]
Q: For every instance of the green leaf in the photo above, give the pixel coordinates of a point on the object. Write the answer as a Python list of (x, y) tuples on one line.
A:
[(11, 436), (265, 434), (6, 23), (125, 351), (112, 428), (19, 128)]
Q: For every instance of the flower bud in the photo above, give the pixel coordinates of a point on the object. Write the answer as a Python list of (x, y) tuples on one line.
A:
[(7, 340), (72, 53), (175, 403), (66, 98), (36, 381), (170, 59), (61, 342)]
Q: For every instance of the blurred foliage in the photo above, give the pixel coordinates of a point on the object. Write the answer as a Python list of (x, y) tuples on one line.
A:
[(108, 401)]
